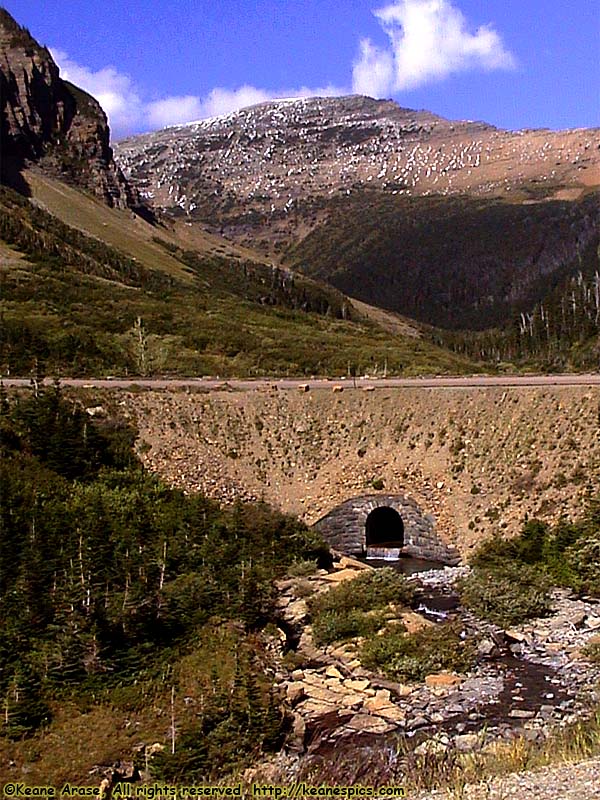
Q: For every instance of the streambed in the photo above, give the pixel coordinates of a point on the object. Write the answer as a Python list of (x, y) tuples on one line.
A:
[(526, 681)]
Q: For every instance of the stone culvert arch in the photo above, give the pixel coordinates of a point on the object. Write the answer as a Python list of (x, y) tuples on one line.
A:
[(368, 520)]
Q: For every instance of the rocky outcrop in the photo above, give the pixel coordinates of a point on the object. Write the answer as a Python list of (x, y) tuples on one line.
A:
[(47, 121)]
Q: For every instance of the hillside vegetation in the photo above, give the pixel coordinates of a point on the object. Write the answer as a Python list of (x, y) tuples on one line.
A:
[(455, 262), (82, 307), (121, 597)]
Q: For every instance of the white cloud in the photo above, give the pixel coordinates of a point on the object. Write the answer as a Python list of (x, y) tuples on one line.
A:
[(373, 73), (115, 91), (128, 113), (429, 40), (173, 111), (222, 101)]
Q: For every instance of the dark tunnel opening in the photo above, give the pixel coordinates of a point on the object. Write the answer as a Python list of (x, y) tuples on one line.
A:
[(384, 528)]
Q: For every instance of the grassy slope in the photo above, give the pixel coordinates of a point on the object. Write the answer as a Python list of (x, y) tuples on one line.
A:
[(128, 232), (206, 316), (120, 229)]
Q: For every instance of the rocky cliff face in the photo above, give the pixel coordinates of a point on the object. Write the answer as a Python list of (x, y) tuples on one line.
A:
[(48, 121)]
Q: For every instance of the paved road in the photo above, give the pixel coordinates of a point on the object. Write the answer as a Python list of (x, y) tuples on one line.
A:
[(462, 382)]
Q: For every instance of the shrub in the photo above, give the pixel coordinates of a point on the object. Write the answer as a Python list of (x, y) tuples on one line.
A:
[(412, 657), (302, 569), (568, 553), (584, 559), (335, 626), (371, 590), (506, 594), (342, 612), (592, 652)]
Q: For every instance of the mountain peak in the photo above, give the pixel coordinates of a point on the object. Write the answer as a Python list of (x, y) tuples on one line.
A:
[(266, 157)]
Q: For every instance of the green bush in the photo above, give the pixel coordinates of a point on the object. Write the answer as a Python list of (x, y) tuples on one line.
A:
[(336, 626), (236, 725), (592, 652), (343, 611), (302, 569), (567, 553), (372, 589), (412, 657), (506, 594), (583, 558)]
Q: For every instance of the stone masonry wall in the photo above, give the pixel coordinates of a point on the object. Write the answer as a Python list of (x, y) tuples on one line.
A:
[(344, 528)]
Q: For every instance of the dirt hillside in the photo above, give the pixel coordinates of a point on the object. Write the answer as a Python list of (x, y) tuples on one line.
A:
[(480, 460)]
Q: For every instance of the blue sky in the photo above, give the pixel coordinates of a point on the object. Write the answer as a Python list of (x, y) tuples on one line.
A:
[(513, 63)]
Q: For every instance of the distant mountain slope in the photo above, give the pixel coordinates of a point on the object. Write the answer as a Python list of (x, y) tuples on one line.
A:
[(337, 194), (89, 287), (48, 121), (266, 158), (79, 306), (456, 224), (456, 262)]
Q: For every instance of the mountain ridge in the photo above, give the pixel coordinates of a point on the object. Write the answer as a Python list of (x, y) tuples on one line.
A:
[(48, 121), (455, 224), (266, 156), (273, 205)]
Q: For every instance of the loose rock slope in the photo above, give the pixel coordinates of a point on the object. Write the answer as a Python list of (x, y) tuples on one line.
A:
[(479, 460)]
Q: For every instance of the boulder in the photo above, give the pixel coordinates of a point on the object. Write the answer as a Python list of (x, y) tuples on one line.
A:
[(352, 700), (466, 742), (487, 649), (312, 708), (389, 712), (443, 680), (333, 672), (356, 684), (296, 612), (414, 622), (431, 747), (516, 636), (295, 693), (306, 645), (365, 723), (295, 742), (340, 575), (346, 562)]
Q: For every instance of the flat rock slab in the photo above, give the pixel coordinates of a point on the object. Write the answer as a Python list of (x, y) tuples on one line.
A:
[(443, 680)]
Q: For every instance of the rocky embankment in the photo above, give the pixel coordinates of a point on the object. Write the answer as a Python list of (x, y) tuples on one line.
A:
[(478, 460), (526, 681)]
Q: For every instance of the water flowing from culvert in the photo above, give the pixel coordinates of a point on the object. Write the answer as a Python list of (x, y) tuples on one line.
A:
[(393, 557), (383, 553)]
